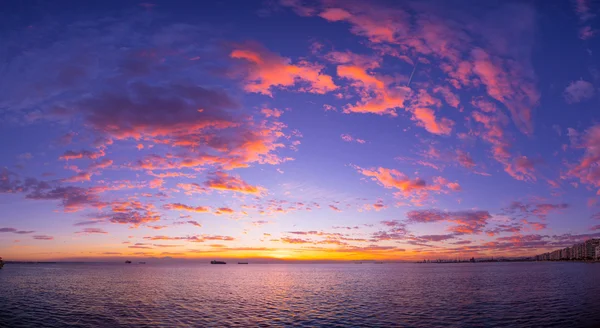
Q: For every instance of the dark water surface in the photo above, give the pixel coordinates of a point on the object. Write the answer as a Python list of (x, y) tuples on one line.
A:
[(301, 295)]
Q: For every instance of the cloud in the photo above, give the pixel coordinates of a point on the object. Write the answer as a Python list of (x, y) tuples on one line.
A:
[(183, 207), (467, 222), (376, 96), (516, 92), (271, 112), (265, 70), (101, 164), (426, 117), (43, 237), (192, 188), (540, 210), (222, 181), (127, 99), (587, 32), (349, 138), (224, 211), (88, 231), (335, 208), (522, 168), (587, 170), (435, 238), (417, 190), (73, 199), (512, 228), (79, 177), (578, 91), (583, 10), (13, 230), (448, 39), (193, 238), (465, 159), (289, 240), (377, 206), (70, 154), (492, 131), (194, 223)]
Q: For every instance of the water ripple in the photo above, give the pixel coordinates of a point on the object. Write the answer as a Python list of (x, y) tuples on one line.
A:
[(301, 295)]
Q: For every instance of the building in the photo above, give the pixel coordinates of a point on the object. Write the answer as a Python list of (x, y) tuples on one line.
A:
[(588, 250)]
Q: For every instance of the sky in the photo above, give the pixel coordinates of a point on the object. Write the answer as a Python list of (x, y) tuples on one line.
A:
[(298, 130)]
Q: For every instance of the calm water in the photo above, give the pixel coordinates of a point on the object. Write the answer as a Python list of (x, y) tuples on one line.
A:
[(301, 295)]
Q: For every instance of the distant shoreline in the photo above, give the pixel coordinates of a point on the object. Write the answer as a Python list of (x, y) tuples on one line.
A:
[(300, 262)]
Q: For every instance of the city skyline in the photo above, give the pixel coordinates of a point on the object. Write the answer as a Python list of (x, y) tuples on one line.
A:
[(298, 130)]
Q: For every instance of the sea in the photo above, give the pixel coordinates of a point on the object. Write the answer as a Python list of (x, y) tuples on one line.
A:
[(527, 294)]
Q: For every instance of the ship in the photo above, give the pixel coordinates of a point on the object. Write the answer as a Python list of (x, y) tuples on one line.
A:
[(127, 262), (1, 263), (242, 262), (217, 262)]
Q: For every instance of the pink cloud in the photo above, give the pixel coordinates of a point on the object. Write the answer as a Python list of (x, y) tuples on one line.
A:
[(376, 96), (88, 231), (467, 222), (79, 177), (183, 207), (464, 159), (70, 154), (223, 181), (266, 70), (416, 190), (335, 208), (578, 91), (43, 237), (349, 138), (587, 171), (587, 32), (516, 92)]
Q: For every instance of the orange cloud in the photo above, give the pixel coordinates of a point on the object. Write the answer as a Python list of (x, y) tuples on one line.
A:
[(222, 181), (183, 207), (377, 97), (417, 190), (425, 116), (349, 138), (79, 177), (267, 70), (70, 154), (192, 188)]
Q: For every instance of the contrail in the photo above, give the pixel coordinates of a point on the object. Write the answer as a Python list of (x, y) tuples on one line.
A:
[(411, 74)]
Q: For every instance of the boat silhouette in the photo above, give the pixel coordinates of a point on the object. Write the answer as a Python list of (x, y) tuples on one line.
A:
[(217, 262), (242, 262), (127, 262)]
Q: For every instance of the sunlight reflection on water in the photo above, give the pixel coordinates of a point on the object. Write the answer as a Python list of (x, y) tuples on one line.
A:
[(301, 295)]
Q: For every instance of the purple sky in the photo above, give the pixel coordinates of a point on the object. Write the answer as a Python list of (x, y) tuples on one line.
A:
[(298, 129)]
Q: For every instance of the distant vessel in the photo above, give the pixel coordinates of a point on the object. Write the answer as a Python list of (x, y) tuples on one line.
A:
[(217, 262), (127, 262), (242, 262), (1, 263)]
